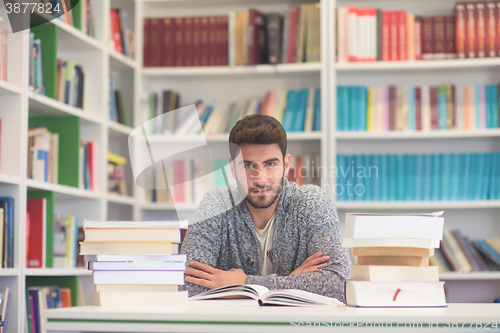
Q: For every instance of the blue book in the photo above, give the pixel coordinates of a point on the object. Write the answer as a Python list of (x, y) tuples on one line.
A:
[(350, 171), (445, 176), (469, 249), (206, 114), (367, 177), (454, 177), (427, 175), (493, 181), (384, 177), (9, 230), (300, 111), (317, 110), (363, 95), (419, 177), (488, 104), (112, 98), (410, 190), (467, 177), (474, 173), (33, 294), (346, 108), (478, 107), (75, 243), (289, 113), (359, 186), (392, 177), (442, 107), (494, 106), (353, 109), (488, 248), (483, 195), (55, 293), (411, 112), (400, 177), (375, 177), (340, 185), (341, 112), (435, 177), (496, 190)]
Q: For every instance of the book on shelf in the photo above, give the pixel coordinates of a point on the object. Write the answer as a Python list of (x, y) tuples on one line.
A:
[(290, 297), (4, 55), (243, 37), (43, 154), (70, 83), (5, 297), (121, 38), (36, 80), (420, 177), (40, 298), (116, 174), (118, 110), (419, 108), (88, 170), (66, 233), (7, 230)]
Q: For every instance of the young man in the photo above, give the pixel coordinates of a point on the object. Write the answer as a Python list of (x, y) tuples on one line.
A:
[(281, 235)]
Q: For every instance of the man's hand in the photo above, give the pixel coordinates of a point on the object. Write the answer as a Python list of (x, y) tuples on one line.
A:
[(212, 278), (311, 264)]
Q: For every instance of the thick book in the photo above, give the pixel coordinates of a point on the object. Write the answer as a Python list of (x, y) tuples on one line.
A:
[(395, 294), (143, 298), (132, 235), (137, 266), (394, 273), (129, 248), (292, 297), (138, 277), (426, 243), (88, 224), (415, 261), (133, 258), (36, 238)]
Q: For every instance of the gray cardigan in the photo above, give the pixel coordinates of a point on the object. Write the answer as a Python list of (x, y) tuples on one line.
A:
[(306, 223)]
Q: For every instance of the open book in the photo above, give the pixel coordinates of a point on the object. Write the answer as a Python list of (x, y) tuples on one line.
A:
[(293, 297)]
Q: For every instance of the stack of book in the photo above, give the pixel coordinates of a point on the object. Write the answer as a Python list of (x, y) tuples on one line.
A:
[(3, 54), (70, 83), (135, 263), (40, 298), (392, 268), (121, 38), (88, 169), (43, 154), (417, 108), (116, 174)]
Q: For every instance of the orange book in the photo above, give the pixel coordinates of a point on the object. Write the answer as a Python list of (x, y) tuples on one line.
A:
[(393, 260), (410, 34), (460, 29), (66, 297)]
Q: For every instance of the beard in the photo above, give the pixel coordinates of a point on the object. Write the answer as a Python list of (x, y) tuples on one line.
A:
[(261, 201)]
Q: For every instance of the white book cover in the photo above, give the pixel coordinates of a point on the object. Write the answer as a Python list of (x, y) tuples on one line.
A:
[(138, 277), (425, 243), (341, 34), (88, 224), (133, 258), (137, 266)]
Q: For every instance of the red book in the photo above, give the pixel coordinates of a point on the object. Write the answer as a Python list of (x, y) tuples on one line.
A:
[(448, 256), (115, 30), (438, 37), (386, 36), (37, 209), (256, 37), (418, 108), (393, 35), (155, 42), (224, 41), (188, 41), (179, 191), (146, 48), (168, 42), (299, 177), (470, 30), (434, 112), (449, 37), (491, 30), (292, 34), (392, 108), (212, 41), (196, 52), (427, 37), (402, 38), (480, 29), (92, 164), (204, 46), (460, 27), (179, 42), (418, 38)]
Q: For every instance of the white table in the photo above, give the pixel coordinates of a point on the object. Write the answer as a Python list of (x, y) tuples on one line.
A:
[(245, 316)]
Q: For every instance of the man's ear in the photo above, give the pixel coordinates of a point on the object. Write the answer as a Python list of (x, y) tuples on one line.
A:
[(231, 165), (287, 161)]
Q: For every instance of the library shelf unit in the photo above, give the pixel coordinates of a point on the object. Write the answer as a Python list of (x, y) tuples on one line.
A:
[(476, 219)]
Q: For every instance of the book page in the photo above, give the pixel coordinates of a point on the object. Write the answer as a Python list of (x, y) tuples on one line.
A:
[(297, 297), (233, 291)]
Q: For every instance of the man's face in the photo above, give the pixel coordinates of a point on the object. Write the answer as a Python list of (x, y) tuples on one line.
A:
[(262, 169)]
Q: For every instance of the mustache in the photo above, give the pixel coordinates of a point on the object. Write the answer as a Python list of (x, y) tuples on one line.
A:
[(253, 188)]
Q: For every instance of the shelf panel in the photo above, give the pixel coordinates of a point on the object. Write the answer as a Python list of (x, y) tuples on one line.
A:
[(162, 206), (7, 88), (414, 205), (74, 39), (9, 271), (120, 60), (117, 128), (469, 276), (56, 271), (228, 70), (417, 65), (44, 106), (61, 190), (120, 199), (10, 179), (494, 132)]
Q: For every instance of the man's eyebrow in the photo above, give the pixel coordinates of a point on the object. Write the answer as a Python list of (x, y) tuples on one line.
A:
[(274, 159)]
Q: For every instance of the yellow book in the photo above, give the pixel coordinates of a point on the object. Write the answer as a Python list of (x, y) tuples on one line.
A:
[(369, 111), (116, 159)]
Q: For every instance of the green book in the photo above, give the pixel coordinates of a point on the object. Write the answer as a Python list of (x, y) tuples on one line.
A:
[(49, 241), (76, 11), (68, 129), (47, 33), (379, 35), (70, 282)]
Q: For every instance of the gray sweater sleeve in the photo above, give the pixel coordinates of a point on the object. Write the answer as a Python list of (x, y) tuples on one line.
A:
[(323, 236)]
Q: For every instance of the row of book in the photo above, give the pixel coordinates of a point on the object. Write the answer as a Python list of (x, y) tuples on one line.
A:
[(7, 231), (36, 82), (422, 177), (458, 253), (59, 232), (417, 108), (121, 38), (43, 154), (118, 110), (246, 37), (392, 260), (70, 83), (88, 168), (135, 263), (297, 110), (40, 298), (80, 14), (116, 174), (190, 180), (4, 55)]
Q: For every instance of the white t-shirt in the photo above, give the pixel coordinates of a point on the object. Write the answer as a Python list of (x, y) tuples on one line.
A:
[(265, 238)]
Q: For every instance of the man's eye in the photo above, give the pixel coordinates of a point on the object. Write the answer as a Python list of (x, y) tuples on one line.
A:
[(271, 164), (248, 166)]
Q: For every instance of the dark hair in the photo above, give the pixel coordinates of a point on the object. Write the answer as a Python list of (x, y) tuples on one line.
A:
[(257, 129)]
